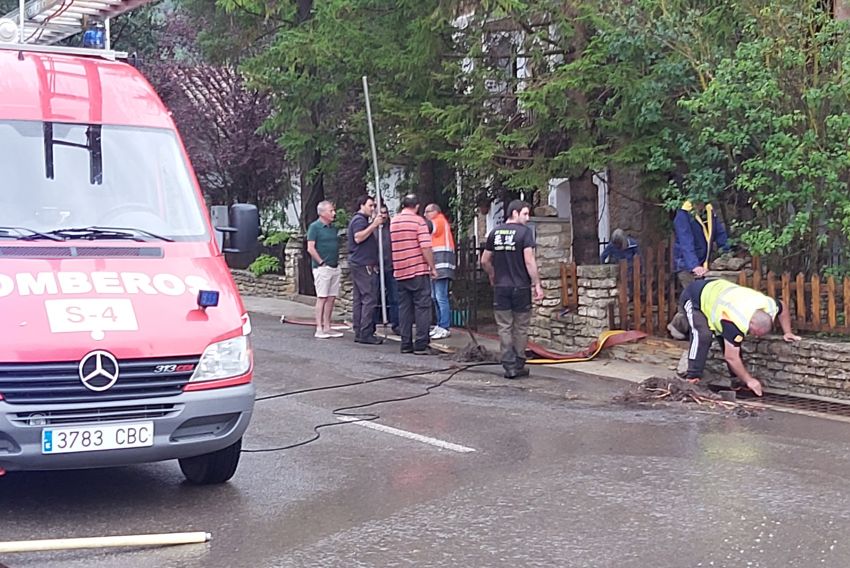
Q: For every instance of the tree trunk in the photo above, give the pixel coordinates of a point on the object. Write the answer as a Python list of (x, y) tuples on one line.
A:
[(427, 180), (312, 189), (312, 180), (584, 206)]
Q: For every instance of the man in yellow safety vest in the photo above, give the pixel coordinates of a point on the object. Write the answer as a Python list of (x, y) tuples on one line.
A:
[(729, 312)]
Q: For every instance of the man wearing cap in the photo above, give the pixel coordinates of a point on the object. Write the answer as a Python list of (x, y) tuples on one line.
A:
[(729, 312)]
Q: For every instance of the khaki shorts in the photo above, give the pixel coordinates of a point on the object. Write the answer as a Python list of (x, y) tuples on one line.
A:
[(326, 280)]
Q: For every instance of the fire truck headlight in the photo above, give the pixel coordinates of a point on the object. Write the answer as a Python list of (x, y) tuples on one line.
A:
[(224, 359)]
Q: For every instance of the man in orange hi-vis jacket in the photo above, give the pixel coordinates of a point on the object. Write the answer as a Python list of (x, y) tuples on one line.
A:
[(443, 245)]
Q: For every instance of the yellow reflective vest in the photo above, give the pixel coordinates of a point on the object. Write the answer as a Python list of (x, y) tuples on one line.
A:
[(723, 300)]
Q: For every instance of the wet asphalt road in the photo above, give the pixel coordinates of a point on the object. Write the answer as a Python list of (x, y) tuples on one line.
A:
[(559, 476)]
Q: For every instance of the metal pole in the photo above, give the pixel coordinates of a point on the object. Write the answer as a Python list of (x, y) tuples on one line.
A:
[(377, 201), (107, 31)]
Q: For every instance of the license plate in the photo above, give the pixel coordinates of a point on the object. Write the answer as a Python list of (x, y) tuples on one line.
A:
[(93, 438)]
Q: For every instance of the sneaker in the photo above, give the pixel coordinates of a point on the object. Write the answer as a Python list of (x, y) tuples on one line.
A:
[(332, 333), (321, 335), (440, 333), (675, 333), (283, 318), (397, 330)]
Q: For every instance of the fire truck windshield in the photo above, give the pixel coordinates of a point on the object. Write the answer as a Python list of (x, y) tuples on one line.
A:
[(60, 176)]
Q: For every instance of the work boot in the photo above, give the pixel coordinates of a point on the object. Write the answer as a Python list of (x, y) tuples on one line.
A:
[(516, 372), (370, 340), (521, 369), (427, 350)]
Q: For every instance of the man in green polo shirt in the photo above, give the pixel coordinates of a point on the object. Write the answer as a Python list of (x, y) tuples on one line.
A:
[(323, 248)]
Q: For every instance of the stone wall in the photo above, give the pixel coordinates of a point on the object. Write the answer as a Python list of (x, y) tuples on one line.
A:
[(345, 300), (813, 366), (266, 286), (273, 285), (550, 324), (560, 329)]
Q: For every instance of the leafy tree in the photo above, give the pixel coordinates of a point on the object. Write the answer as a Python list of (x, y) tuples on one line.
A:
[(314, 69), (218, 116), (775, 115)]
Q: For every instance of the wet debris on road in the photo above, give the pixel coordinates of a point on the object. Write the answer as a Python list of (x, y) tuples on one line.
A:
[(474, 352), (673, 389)]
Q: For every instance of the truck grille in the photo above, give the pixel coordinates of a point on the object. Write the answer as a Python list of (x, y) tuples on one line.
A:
[(59, 383), (93, 415)]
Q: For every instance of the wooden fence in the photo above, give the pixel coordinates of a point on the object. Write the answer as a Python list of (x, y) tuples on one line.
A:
[(816, 303), (649, 292)]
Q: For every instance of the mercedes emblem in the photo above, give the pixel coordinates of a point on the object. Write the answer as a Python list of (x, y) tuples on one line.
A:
[(99, 370)]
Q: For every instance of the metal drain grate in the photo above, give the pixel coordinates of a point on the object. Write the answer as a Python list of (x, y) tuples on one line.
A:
[(807, 404)]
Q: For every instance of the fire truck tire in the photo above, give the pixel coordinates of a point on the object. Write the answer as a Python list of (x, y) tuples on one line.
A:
[(212, 468)]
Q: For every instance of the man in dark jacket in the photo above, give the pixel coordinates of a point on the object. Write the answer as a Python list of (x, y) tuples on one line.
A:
[(363, 260), (621, 247), (697, 229)]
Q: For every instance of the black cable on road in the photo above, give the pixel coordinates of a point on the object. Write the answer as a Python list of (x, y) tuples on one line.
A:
[(343, 411)]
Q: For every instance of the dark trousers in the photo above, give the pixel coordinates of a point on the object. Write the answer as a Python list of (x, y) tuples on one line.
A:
[(365, 281), (700, 333), (414, 305), (512, 309), (390, 297)]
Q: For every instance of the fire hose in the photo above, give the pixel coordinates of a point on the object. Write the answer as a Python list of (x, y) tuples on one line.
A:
[(543, 356)]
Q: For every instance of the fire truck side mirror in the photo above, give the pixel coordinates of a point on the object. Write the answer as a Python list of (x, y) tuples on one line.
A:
[(241, 237)]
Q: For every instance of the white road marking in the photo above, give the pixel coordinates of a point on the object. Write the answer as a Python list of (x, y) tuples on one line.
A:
[(409, 435)]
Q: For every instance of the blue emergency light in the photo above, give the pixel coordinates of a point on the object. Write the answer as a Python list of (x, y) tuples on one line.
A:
[(95, 35), (207, 299)]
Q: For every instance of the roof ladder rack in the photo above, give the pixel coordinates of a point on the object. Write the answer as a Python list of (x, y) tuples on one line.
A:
[(46, 22)]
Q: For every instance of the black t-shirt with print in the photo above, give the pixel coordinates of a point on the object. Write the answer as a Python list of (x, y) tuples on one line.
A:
[(508, 242)]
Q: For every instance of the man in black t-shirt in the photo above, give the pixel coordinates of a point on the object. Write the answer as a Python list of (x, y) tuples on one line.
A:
[(363, 262), (508, 259)]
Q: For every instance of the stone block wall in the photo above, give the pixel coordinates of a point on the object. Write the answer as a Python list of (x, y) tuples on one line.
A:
[(345, 300), (812, 366), (267, 285), (553, 327), (273, 285)]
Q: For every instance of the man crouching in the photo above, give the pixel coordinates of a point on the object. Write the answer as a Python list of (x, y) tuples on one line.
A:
[(729, 312)]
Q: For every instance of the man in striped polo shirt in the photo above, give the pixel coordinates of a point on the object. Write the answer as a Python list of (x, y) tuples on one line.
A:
[(413, 267)]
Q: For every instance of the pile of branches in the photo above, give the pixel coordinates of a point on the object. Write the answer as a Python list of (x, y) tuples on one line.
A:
[(674, 389)]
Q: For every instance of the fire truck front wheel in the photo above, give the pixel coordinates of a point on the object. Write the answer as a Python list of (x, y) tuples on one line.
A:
[(212, 468)]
